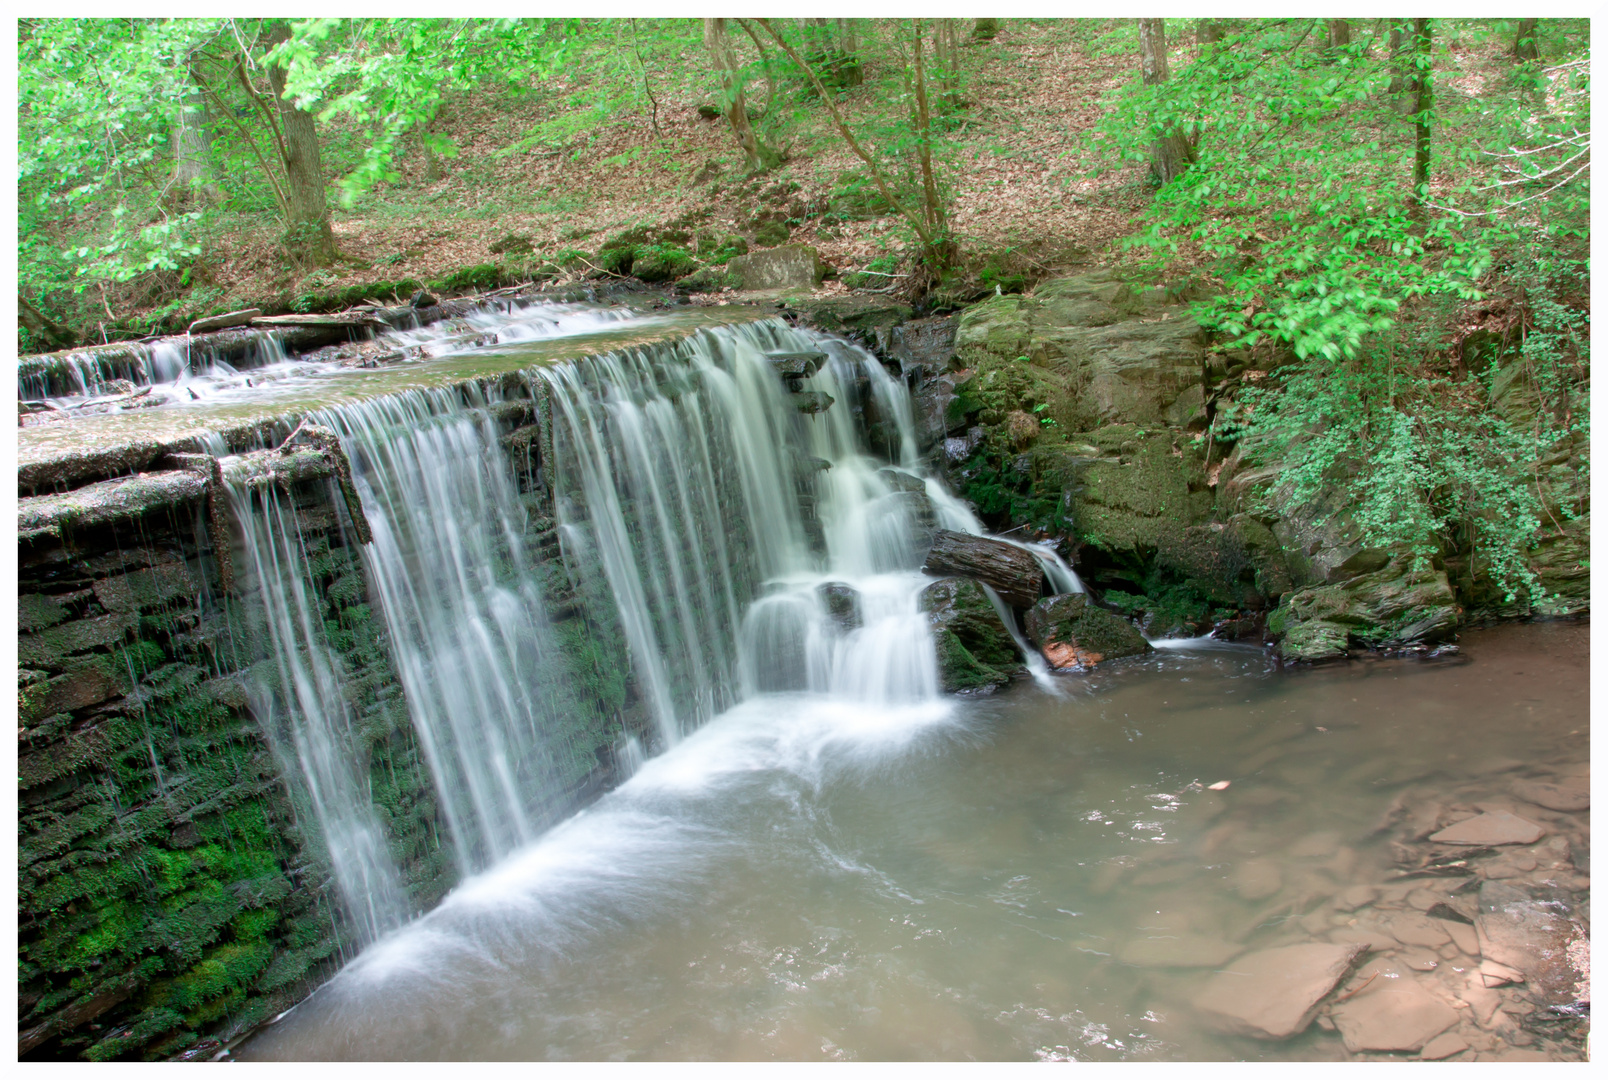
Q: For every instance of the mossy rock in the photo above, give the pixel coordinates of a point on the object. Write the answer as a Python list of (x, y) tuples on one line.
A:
[(470, 279), (772, 234), (1317, 639), (708, 279), (1395, 606), (659, 263), (975, 651), (1072, 632)]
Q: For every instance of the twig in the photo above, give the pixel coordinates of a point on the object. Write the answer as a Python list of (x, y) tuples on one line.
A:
[(1353, 993)]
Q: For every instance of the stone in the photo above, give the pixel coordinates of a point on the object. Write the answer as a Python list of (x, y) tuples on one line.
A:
[(1180, 951), (1355, 896), (1443, 1046), (1011, 572), (512, 244), (1570, 795), (842, 604), (1463, 936), (1532, 935), (223, 322), (1392, 1014), (1411, 928), (1316, 639), (796, 365), (1070, 632), (1257, 879), (792, 266), (145, 589), (1483, 1002), (1495, 974), (1491, 828), (35, 611), (811, 401), (1274, 993), (659, 263), (422, 299), (975, 651), (51, 648), (1421, 959)]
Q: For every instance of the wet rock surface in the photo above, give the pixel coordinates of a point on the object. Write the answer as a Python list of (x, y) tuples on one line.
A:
[(1073, 633), (1274, 994), (975, 651)]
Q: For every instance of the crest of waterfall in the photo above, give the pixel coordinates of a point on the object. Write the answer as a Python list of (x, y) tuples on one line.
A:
[(307, 714), (450, 569)]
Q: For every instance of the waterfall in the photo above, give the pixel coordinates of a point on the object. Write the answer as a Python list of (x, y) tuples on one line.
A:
[(749, 541), (308, 715), (450, 569)]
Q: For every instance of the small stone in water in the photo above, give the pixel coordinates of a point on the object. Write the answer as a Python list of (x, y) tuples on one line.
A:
[(1399, 1015), (1570, 795), (1355, 897), (1274, 994), (1411, 928), (1443, 1046), (1221, 785)]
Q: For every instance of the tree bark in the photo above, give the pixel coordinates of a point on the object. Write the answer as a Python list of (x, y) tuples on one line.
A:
[(1170, 152), (192, 171), (1339, 33), (309, 235), (1524, 46), (1208, 32), (1423, 101), (1400, 82), (760, 157)]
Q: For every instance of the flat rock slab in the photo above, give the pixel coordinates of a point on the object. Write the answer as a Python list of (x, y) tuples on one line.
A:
[(1443, 1046), (1180, 951), (1491, 828), (1569, 795), (1274, 994), (1411, 928), (1394, 1014)]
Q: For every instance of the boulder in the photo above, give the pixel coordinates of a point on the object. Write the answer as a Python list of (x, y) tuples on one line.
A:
[(1011, 572), (661, 263), (1393, 606), (1071, 632), (975, 650), (842, 604), (796, 365), (1274, 993), (792, 266), (811, 401), (1392, 1014)]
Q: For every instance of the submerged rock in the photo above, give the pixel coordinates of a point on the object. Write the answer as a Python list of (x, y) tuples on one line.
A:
[(975, 651), (1274, 993), (1491, 828), (1392, 1014), (1532, 934), (1568, 795), (1071, 632), (1011, 572)]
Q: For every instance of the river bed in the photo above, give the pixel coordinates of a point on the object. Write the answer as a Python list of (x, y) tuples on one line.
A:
[(1022, 876)]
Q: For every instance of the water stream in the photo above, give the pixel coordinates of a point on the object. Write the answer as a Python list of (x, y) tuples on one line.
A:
[(814, 852)]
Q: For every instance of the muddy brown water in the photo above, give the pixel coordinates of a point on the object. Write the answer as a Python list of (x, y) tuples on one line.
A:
[(1013, 877)]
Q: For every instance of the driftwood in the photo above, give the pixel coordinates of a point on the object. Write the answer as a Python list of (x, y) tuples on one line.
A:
[(1011, 572)]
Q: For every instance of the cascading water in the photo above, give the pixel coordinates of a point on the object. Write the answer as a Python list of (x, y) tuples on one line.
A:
[(450, 569), (751, 549), (306, 711)]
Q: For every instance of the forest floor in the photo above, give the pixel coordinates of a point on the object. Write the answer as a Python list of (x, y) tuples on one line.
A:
[(1035, 188)]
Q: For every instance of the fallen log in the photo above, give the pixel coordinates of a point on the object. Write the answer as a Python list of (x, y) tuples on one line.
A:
[(1011, 572)]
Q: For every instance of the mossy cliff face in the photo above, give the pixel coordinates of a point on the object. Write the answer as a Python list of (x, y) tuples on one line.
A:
[(174, 891), (1082, 411), (167, 896)]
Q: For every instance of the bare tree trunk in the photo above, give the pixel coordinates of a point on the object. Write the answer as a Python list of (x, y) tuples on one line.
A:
[(985, 30), (309, 234), (1524, 46), (760, 157), (1170, 153), (192, 170), (1339, 33), (1208, 32), (1422, 103)]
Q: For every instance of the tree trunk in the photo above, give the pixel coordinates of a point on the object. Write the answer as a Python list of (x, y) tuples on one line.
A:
[(1339, 33), (760, 157), (1208, 32), (1524, 47), (1401, 82), (192, 171), (985, 30), (1170, 153), (309, 235), (1423, 101)]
